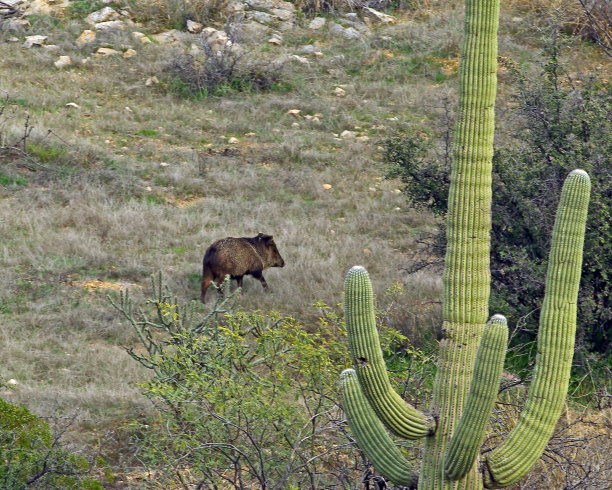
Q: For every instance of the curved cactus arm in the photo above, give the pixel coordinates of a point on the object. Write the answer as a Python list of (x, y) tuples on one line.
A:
[(371, 434), (399, 417), (524, 445), (469, 434)]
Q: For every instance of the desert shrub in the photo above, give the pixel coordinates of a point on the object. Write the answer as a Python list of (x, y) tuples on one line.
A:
[(221, 67), (32, 456), (561, 123), (174, 14), (251, 399)]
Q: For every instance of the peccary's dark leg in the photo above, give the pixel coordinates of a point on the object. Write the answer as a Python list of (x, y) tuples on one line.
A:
[(260, 277), (239, 281)]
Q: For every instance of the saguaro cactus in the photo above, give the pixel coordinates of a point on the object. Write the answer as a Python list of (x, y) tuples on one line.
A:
[(472, 350)]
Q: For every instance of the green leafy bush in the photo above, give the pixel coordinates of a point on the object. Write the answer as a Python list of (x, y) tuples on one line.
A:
[(248, 399), (561, 123), (32, 456)]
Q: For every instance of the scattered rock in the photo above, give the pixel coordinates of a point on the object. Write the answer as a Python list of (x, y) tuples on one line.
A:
[(373, 17), (111, 25), (233, 140), (351, 33), (12, 382), (104, 52), (151, 81), (86, 37), (363, 138), (397, 191), (327, 186), (275, 40), (171, 36), (129, 53), (262, 17), (339, 92), (295, 125), (294, 112), (63, 61), (13, 39), (102, 15), (194, 27), (307, 49), (16, 24), (517, 19), (73, 105), (139, 36), (335, 29), (300, 59), (31, 41), (253, 30), (318, 54), (348, 134), (53, 48), (283, 13), (317, 23)]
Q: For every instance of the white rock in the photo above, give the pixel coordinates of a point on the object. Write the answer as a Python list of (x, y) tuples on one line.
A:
[(111, 25), (275, 41), (73, 105), (351, 33), (86, 37), (283, 14), (339, 92), (373, 16), (294, 112), (151, 81), (363, 138), (307, 49), (103, 15), (317, 23), (139, 36), (300, 59), (31, 41), (194, 27), (262, 17), (129, 53), (16, 24), (104, 52), (233, 140), (318, 54), (348, 134), (63, 61), (12, 382), (335, 29), (295, 125), (51, 47)]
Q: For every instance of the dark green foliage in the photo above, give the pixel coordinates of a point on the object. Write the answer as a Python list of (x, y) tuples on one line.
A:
[(31, 455), (561, 124)]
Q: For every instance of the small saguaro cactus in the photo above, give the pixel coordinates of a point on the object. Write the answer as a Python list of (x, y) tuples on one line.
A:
[(472, 349)]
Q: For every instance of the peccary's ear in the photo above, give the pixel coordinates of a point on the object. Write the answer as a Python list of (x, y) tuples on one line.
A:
[(267, 238)]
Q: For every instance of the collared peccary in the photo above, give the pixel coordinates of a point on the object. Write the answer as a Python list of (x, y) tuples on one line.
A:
[(239, 257)]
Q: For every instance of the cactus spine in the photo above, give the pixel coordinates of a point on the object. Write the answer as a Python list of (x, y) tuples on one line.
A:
[(467, 382)]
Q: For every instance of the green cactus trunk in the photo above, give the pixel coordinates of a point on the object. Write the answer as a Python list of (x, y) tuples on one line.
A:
[(472, 350), (467, 277)]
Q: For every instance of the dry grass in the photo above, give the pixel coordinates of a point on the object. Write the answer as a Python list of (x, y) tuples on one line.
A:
[(150, 187)]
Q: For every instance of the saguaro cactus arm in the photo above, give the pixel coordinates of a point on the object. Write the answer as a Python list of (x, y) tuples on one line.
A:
[(371, 434), (399, 417), (469, 434), (524, 445)]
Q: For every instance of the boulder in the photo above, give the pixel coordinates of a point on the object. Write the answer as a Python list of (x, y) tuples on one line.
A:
[(102, 15), (31, 41), (111, 25), (373, 17), (63, 61), (317, 23), (86, 37)]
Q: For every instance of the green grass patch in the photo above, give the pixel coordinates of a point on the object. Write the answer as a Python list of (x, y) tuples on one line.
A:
[(149, 133), (12, 181), (46, 153), (81, 8)]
